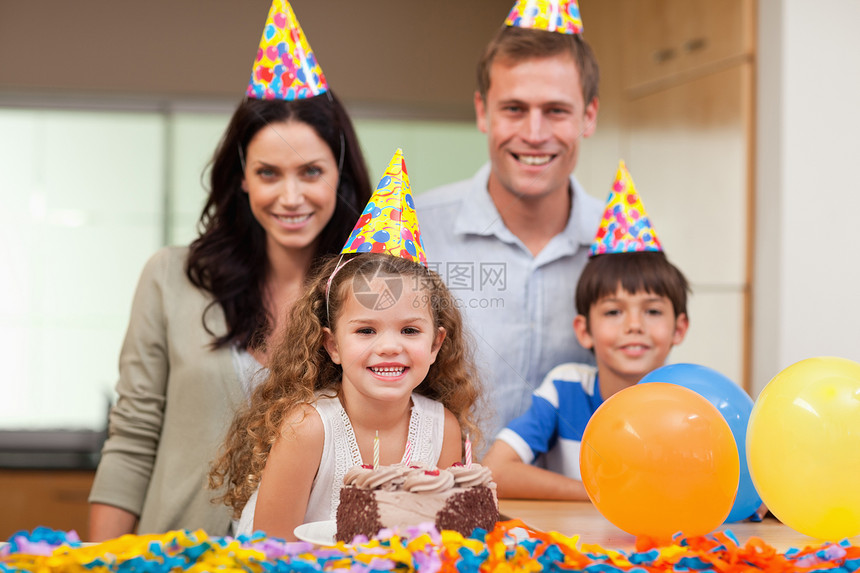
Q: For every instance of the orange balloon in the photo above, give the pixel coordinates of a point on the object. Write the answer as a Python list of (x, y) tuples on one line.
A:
[(659, 459)]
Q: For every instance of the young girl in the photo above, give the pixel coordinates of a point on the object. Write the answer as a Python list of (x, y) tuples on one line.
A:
[(374, 347)]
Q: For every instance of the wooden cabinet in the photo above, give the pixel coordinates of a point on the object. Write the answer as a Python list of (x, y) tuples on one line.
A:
[(689, 149), (677, 95), (53, 498), (672, 37)]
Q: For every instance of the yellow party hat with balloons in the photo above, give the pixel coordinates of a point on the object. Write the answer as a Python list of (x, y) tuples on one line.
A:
[(389, 223), (625, 227), (560, 16), (285, 67)]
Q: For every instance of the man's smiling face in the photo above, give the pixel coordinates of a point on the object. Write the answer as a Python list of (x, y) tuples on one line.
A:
[(534, 116)]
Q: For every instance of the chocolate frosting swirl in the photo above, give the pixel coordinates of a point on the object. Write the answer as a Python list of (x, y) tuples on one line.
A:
[(386, 477), (428, 481), (473, 476)]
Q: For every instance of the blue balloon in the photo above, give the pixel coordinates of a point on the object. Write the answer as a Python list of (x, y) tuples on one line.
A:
[(734, 404), (384, 182), (381, 236)]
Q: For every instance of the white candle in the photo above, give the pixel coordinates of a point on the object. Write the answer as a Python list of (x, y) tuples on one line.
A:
[(376, 451)]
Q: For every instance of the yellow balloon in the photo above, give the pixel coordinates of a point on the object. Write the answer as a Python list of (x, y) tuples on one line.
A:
[(803, 447)]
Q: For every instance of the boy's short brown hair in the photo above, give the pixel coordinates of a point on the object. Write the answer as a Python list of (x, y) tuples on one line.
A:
[(514, 44), (648, 271)]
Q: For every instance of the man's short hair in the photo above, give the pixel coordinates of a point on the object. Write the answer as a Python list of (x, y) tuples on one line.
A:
[(648, 271), (513, 44)]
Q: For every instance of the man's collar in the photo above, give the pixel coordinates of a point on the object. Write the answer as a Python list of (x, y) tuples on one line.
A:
[(479, 215)]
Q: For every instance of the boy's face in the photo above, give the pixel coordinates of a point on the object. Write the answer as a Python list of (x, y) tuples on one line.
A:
[(631, 334)]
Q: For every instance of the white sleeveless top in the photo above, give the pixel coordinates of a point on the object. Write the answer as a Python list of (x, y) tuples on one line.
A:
[(250, 372), (340, 453)]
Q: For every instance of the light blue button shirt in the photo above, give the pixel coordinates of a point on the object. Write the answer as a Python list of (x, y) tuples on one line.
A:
[(518, 307)]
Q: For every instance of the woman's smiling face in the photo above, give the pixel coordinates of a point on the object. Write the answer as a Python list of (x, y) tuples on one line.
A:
[(291, 178)]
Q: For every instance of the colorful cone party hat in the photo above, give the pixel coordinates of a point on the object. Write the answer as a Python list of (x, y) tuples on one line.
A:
[(389, 224), (625, 227), (560, 16), (285, 67)]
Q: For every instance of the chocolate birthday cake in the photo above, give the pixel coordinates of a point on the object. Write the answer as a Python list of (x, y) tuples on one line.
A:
[(459, 498)]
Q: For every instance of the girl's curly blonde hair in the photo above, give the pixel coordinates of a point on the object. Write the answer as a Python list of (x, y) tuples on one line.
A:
[(300, 368)]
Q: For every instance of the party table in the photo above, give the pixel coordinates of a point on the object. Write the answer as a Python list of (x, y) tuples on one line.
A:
[(582, 518)]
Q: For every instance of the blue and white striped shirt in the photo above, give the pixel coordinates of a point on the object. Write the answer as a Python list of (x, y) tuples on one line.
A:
[(556, 420)]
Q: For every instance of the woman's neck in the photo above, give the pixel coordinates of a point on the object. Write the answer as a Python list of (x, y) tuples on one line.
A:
[(287, 266), (285, 281)]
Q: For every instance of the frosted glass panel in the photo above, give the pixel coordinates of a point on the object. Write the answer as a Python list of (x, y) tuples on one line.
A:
[(17, 384), (436, 152), (90, 272), (195, 137), (17, 146), (101, 164), (82, 197), (16, 246)]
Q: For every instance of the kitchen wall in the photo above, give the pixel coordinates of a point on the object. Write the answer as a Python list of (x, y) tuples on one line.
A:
[(806, 274)]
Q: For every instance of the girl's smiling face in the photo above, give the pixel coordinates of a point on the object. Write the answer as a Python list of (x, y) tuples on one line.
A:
[(291, 179), (384, 338)]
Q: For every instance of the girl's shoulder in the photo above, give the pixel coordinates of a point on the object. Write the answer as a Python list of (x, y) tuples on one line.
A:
[(325, 403), (303, 421), (432, 410), (451, 420), (424, 404)]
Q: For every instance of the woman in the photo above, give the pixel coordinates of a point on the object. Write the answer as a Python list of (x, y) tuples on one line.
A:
[(287, 184)]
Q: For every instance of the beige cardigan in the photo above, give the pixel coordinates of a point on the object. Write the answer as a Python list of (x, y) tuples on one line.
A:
[(176, 400)]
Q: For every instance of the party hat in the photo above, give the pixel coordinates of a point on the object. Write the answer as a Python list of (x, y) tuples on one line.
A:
[(285, 67), (389, 224), (560, 16), (625, 227)]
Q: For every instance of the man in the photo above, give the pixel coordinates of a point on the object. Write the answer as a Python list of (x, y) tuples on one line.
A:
[(512, 241)]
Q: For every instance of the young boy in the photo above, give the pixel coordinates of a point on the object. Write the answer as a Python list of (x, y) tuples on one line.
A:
[(632, 309)]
